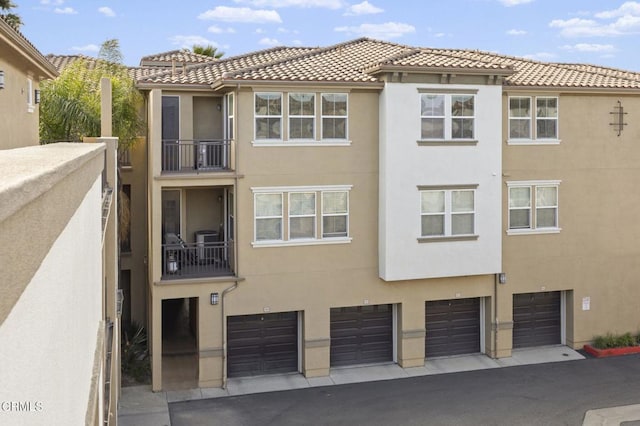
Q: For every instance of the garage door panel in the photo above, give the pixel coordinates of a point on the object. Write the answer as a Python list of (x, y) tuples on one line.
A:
[(536, 319), (361, 334), (262, 344), (453, 327)]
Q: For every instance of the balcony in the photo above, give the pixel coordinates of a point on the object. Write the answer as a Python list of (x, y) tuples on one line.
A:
[(196, 260), (196, 156)]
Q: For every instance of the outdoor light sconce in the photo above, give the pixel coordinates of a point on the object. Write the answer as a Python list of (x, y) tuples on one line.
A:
[(1, 79), (618, 118), (36, 96), (502, 278), (214, 298)]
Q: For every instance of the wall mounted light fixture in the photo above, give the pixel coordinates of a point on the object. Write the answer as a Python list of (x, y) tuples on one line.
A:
[(502, 278), (1, 79), (214, 298), (36, 96)]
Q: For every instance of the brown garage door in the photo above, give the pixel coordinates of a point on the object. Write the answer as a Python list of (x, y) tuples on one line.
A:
[(453, 327), (361, 334), (536, 319), (262, 344)]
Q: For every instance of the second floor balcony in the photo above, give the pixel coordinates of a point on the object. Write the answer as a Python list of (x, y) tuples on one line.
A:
[(196, 260), (196, 155)]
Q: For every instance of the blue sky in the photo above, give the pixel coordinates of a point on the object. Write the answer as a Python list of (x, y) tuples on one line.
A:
[(596, 32)]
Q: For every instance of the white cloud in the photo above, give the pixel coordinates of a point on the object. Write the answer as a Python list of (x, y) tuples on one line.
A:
[(540, 56), (260, 31), (510, 3), (590, 47), (266, 41), (327, 4), (364, 8), (515, 32), (217, 30), (52, 2), (107, 11), (241, 14), (297, 42), (65, 11), (87, 48), (384, 31), (187, 41), (576, 27), (439, 35), (628, 8)]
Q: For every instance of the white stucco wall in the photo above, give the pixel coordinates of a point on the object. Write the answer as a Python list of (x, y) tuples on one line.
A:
[(48, 341), (404, 165)]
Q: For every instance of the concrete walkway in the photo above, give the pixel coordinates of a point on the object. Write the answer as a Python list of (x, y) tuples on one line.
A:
[(139, 406)]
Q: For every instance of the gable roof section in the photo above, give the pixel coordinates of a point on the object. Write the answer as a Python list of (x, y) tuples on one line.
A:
[(60, 62), (17, 42), (173, 57)]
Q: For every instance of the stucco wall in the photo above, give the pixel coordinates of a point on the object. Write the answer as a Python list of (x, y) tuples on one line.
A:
[(47, 342)]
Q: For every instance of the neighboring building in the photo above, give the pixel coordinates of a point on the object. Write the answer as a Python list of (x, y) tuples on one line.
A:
[(22, 67), (310, 208), (59, 316)]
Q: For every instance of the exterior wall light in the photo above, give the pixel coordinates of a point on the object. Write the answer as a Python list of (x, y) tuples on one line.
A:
[(36, 96), (502, 278), (1, 79), (214, 298)]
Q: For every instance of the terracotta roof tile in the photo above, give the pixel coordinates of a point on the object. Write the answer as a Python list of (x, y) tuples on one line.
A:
[(179, 56)]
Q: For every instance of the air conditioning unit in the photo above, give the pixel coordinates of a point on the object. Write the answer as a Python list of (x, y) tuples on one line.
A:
[(205, 244), (209, 156)]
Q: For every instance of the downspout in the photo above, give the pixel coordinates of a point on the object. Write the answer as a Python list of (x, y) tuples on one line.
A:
[(224, 334), (495, 316)]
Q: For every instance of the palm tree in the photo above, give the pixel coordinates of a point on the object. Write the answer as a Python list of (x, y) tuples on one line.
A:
[(208, 50), (11, 18)]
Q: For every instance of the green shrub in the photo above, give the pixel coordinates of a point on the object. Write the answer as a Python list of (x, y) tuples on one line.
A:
[(135, 354), (610, 340)]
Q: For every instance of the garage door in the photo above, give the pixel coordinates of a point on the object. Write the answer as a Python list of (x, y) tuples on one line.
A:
[(361, 334), (536, 319), (262, 344), (453, 327)]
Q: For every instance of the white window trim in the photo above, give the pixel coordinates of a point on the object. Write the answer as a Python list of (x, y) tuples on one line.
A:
[(281, 216), (533, 184), (346, 117), (532, 139), (323, 214), (288, 189), (448, 117), (30, 104), (256, 116), (448, 214), (314, 216), (289, 117)]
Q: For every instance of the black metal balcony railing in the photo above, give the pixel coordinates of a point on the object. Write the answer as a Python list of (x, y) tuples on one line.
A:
[(193, 156), (197, 260)]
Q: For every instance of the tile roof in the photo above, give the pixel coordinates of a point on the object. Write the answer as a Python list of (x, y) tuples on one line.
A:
[(60, 62), (179, 56), (27, 48)]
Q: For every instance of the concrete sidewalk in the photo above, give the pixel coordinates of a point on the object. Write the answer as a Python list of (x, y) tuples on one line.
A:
[(139, 406)]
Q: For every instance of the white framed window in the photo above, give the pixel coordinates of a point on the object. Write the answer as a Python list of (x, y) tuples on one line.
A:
[(335, 214), (302, 215), (268, 116), (30, 104), (302, 116), (268, 215), (447, 117), (229, 131), (447, 212), (533, 207), (312, 215), (334, 115), (533, 120)]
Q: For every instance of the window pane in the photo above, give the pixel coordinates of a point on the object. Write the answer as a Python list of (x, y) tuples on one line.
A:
[(547, 107), (268, 205), (268, 104), (334, 104), (546, 196), (432, 225), (432, 105), (432, 201), (462, 106), (301, 104), (462, 201), (334, 226), (462, 128), (302, 203), (520, 197), (301, 128), (546, 129), (519, 219), (267, 128), (302, 227), (432, 128), (268, 229), (334, 128), (462, 224), (546, 218), (334, 202), (520, 107), (519, 129)]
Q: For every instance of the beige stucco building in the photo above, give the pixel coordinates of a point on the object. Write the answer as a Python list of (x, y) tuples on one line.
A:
[(368, 202)]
